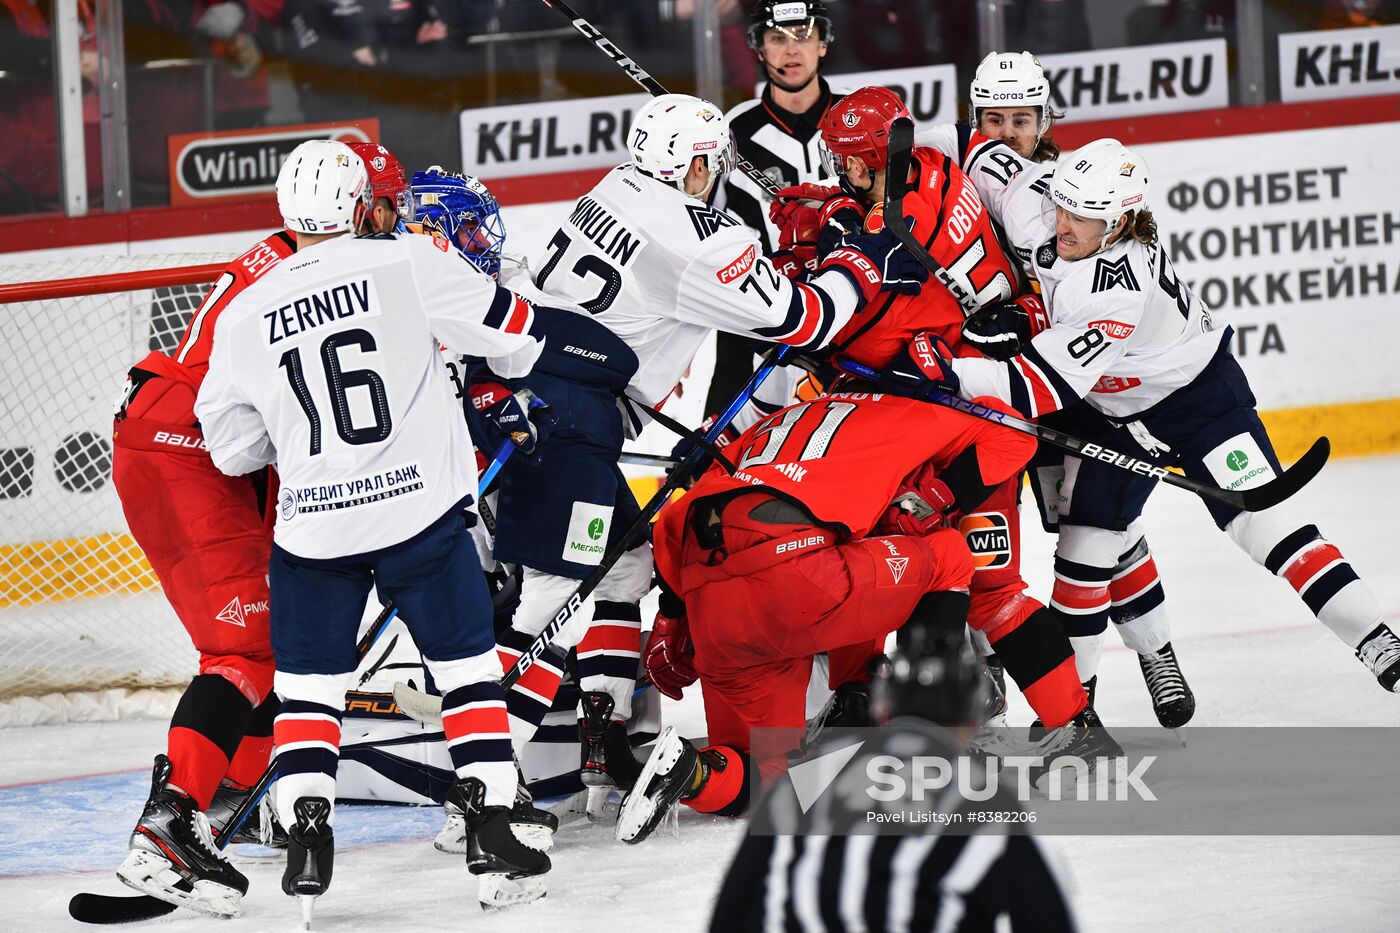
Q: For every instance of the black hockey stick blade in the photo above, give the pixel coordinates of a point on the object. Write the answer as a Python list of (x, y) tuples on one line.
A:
[(104, 909), (1293, 479)]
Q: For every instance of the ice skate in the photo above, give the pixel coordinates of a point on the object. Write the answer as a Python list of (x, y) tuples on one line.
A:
[(1380, 651), (1172, 699), (1083, 737), (533, 826), (606, 757), (173, 856), (511, 870), (260, 828), (310, 854), (673, 769)]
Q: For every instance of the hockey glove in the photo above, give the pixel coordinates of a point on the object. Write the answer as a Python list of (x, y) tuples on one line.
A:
[(787, 263), (923, 371), (875, 263), (1003, 329), (922, 503), (520, 416), (685, 445), (669, 657), (840, 217), (796, 198)]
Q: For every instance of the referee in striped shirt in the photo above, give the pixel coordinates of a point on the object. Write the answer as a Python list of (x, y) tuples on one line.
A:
[(832, 871)]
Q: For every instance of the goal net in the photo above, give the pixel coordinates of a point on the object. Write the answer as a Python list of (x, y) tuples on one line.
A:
[(84, 629)]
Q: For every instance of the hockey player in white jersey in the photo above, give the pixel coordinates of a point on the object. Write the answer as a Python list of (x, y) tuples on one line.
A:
[(647, 256), (1011, 117), (329, 367), (1129, 337)]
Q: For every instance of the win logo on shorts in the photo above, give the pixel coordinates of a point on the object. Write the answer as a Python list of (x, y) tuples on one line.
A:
[(988, 538)]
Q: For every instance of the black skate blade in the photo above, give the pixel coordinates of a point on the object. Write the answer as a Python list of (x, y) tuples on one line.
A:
[(107, 909)]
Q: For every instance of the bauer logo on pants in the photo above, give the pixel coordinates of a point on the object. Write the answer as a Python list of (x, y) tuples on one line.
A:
[(588, 533), (988, 538)]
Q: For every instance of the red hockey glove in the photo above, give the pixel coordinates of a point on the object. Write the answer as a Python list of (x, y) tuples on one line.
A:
[(797, 197), (922, 503), (924, 370), (787, 263), (669, 656)]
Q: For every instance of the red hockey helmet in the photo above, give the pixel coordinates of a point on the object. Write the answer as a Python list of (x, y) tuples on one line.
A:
[(859, 125), (386, 177)]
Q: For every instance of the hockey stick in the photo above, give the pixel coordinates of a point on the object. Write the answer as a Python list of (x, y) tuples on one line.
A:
[(897, 156), (428, 709), (652, 460), (1248, 500), (648, 83), (107, 909)]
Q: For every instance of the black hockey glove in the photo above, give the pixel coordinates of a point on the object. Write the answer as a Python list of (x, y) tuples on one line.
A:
[(521, 415), (1002, 330)]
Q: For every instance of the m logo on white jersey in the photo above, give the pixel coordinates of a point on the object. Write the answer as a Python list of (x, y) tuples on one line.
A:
[(233, 613), (707, 220), (1110, 274)]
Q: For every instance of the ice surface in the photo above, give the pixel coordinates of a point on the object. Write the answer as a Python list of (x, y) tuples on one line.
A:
[(1252, 652)]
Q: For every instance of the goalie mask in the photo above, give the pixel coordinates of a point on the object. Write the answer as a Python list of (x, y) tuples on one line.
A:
[(323, 188), (463, 210), (671, 130)]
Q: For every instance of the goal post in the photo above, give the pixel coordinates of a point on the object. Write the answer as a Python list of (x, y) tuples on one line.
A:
[(84, 629)]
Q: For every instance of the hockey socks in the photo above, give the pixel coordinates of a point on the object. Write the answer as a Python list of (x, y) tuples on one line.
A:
[(609, 654), (255, 750), (529, 698), (475, 724), (307, 734), (205, 733), (1037, 655)]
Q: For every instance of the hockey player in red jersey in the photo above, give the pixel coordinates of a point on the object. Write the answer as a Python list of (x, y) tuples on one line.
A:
[(790, 557), (208, 538), (944, 212)]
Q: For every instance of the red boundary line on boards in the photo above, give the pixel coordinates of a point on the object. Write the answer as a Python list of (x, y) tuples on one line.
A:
[(49, 231)]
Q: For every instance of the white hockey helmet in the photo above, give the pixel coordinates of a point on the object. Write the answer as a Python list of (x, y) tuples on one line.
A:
[(1011, 79), (1103, 180), (323, 187), (671, 130)]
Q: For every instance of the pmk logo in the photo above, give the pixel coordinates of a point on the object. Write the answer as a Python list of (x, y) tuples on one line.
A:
[(988, 538), (237, 611), (738, 267)]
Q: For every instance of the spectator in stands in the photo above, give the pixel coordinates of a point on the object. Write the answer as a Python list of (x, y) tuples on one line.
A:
[(1350, 14), (1180, 21), (1048, 26)]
